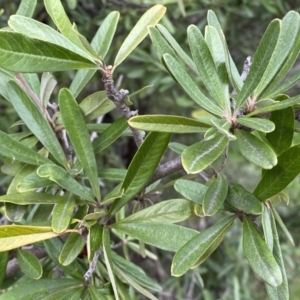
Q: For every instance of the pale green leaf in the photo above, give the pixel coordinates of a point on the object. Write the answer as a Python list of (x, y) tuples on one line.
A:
[(26, 8), (267, 227), (259, 124), (139, 32), (200, 155), (79, 136), (48, 83)]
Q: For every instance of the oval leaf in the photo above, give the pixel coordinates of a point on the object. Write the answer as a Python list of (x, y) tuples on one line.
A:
[(139, 32), (215, 195), (79, 136), (189, 254), (255, 150), (259, 124), (29, 264), (260, 258), (200, 155)]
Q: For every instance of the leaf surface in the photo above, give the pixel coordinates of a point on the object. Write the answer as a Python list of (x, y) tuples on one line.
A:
[(259, 124), (29, 264)]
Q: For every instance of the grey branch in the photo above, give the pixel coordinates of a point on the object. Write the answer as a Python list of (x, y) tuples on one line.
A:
[(92, 266), (246, 68), (118, 98)]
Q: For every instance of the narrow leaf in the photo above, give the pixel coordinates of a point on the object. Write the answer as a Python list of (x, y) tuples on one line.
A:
[(165, 236), (48, 83), (142, 167), (191, 190), (35, 120), (189, 254), (111, 134), (139, 32), (255, 150), (3, 265), (79, 136), (108, 261), (260, 258), (71, 249), (169, 211), (189, 86), (65, 180), (200, 155), (259, 124), (26, 8), (15, 236), (32, 182), (215, 195), (29, 264), (267, 227), (261, 59), (166, 123), (275, 180)]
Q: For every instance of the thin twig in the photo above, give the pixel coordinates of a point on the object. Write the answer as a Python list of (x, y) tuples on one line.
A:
[(92, 265), (118, 98), (246, 68)]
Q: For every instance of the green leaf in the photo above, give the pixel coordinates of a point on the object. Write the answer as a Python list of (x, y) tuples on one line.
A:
[(139, 32), (15, 236), (79, 136), (32, 198), (65, 180), (165, 236), (27, 55), (169, 211), (242, 200), (3, 265), (255, 150), (288, 34), (95, 293), (189, 86), (166, 123), (177, 147), (181, 53), (5, 76), (135, 272), (261, 59), (281, 138), (191, 190), (141, 168), (190, 253), (95, 236), (160, 45), (26, 8), (282, 225), (15, 150), (207, 69), (96, 105), (71, 249), (108, 261), (200, 155), (42, 289), (111, 134), (48, 83), (32, 182), (62, 214), (215, 195), (267, 227), (57, 13), (112, 174), (35, 120), (101, 44), (276, 106), (29, 264), (275, 180), (37, 30), (260, 258), (259, 124), (281, 292)]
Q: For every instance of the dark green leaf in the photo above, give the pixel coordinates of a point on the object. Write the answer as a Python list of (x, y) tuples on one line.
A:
[(260, 258), (166, 123), (189, 254), (242, 200), (79, 136), (112, 133), (95, 236), (192, 190), (165, 236), (275, 180), (3, 264), (200, 155), (142, 167), (65, 180), (29, 264), (215, 195), (71, 249), (259, 124), (255, 150)]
